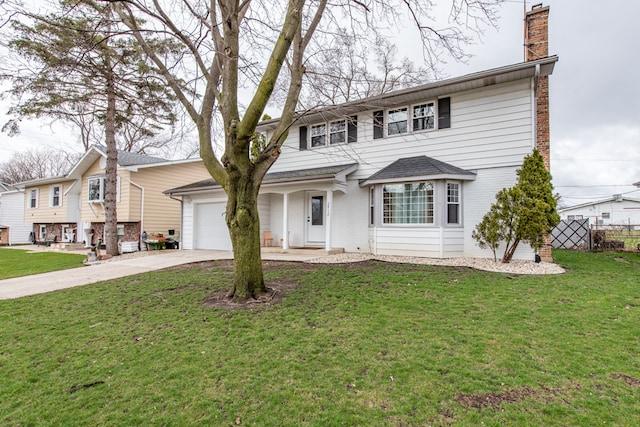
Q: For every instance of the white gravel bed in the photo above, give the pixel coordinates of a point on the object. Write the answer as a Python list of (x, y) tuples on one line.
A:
[(514, 267)]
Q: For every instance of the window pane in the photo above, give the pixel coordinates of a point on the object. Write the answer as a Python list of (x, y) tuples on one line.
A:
[(338, 132), (397, 121), (453, 203), (316, 210), (410, 203), (423, 117), (95, 189), (318, 135)]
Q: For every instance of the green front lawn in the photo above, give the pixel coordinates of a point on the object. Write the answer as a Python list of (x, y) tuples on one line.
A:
[(17, 262), (368, 344)]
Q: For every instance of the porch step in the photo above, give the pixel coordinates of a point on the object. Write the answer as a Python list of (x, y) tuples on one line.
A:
[(303, 251)]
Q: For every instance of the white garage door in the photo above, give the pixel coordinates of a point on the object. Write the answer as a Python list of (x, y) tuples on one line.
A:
[(210, 231)]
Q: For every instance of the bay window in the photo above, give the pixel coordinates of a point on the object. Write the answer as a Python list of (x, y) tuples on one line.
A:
[(407, 203)]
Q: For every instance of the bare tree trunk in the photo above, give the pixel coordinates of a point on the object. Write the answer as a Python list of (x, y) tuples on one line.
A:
[(111, 179), (509, 251), (244, 228)]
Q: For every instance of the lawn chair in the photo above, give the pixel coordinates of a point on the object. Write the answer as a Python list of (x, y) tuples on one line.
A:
[(267, 238)]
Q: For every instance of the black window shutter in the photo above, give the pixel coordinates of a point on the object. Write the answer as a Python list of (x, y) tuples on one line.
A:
[(303, 138), (378, 124), (444, 113), (352, 129)]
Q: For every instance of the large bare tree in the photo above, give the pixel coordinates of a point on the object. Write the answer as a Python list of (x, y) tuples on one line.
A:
[(233, 45)]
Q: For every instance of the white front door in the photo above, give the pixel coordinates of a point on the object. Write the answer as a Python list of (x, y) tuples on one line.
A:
[(316, 212)]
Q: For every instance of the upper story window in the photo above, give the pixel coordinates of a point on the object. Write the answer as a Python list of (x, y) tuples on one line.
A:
[(606, 215), (319, 135), (424, 117), (33, 198), (331, 133), (96, 189), (55, 196), (338, 132), (407, 203), (453, 203), (397, 121)]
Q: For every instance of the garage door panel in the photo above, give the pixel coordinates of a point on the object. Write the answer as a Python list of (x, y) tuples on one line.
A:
[(210, 227)]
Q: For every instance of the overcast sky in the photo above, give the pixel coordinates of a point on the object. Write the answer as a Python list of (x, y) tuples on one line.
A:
[(594, 92)]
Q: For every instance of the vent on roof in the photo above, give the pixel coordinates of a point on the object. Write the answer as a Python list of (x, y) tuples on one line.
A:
[(617, 197)]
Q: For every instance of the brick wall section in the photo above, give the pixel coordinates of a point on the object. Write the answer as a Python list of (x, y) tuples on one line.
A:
[(131, 231), (536, 47)]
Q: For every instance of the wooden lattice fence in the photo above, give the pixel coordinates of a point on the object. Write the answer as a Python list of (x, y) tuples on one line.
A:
[(572, 234)]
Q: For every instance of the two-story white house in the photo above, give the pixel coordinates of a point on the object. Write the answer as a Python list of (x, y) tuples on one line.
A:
[(410, 172)]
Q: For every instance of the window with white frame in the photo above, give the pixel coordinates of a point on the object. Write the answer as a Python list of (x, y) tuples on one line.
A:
[(372, 205), (606, 215), (33, 198), (338, 132), (407, 203), (319, 135), (55, 196), (397, 120), (96, 189), (423, 117), (453, 203)]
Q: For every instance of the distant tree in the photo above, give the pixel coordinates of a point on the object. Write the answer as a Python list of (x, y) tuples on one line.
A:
[(350, 69), (36, 163), (525, 212), (75, 64)]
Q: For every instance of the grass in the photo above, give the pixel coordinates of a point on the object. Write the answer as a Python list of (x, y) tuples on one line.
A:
[(17, 262), (370, 344)]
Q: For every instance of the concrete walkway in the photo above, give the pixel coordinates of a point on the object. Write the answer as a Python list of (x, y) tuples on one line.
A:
[(113, 269)]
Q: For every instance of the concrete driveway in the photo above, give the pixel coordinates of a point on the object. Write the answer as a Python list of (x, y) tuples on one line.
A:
[(116, 268)]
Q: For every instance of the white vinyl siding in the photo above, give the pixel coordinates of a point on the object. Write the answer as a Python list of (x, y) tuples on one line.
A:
[(489, 128), (434, 242)]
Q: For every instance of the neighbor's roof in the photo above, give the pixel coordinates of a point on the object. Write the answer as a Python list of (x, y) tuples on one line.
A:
[(337, 172), (415, 168), (523, 70), (598, 202)]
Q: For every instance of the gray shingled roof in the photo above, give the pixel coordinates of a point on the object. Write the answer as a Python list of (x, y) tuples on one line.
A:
[(419, 166), (126, 158), (274, 177)]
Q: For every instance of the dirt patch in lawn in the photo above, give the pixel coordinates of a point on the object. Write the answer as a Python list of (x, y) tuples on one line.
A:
[(276, 288), (633, 382), (495, 400)]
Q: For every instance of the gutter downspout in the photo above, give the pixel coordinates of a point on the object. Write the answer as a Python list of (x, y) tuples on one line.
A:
[(181, 215), (534, 105), (141, 210)]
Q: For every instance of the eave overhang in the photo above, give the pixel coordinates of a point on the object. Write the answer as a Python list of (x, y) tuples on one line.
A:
[(523, 70), (335, 175)]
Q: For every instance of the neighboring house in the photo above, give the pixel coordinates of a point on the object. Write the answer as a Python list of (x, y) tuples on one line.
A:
[(410, 172), (71, 207), (615, 210), (13, 229)]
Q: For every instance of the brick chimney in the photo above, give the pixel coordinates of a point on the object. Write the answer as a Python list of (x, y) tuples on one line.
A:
[(536, 46), (536, 33)]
